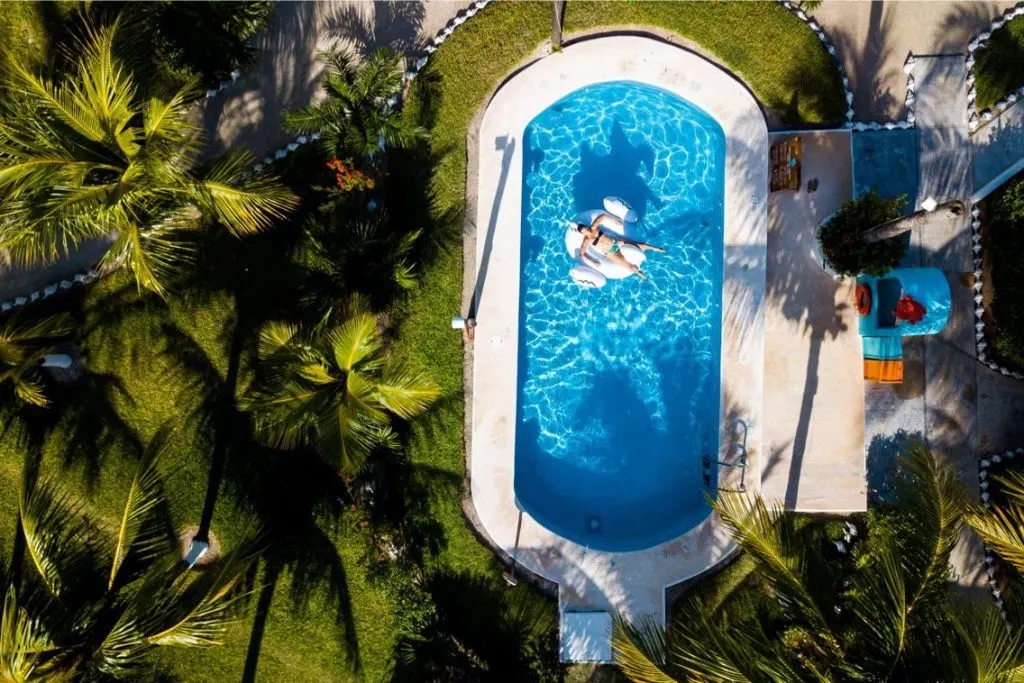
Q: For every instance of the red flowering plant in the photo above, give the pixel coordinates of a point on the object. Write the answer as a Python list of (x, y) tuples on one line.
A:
[(352, 179)]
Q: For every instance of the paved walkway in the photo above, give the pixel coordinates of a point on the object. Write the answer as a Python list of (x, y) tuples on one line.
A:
[(287, 75), (874, 39), (998, 150), (813, 412), (938, 402)]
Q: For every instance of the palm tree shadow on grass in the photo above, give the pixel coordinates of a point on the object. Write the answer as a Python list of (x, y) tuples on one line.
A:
[(86, 417), (465, 638), (299, 501), (295, 498)]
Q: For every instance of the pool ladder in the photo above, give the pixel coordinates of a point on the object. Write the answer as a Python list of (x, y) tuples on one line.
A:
[(741, 463)]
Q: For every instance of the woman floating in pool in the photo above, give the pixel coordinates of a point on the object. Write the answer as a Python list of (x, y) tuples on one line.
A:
[(609, 244)]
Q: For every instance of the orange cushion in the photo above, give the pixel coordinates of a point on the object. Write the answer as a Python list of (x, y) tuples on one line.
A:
[(883, 371)]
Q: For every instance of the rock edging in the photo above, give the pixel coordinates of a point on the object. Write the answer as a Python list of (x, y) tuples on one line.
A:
[(460, 18), (981, 342), (976, 119), (986, 500), (908, 68)]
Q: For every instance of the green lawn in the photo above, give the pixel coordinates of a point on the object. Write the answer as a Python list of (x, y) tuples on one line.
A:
[(150, 363), (999, 65), (773, 52), (23, 32), (27, 29)]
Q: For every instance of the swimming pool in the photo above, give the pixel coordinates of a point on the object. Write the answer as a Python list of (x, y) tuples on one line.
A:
[(619, 388)]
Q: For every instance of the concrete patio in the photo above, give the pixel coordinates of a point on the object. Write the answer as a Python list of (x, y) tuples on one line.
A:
[(814, 409)]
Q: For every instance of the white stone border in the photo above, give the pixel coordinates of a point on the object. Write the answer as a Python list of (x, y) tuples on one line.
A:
[(908, 68), (976, 119), (986, 500), (93, 274), (461, 17), (224, 85), (632, 583)]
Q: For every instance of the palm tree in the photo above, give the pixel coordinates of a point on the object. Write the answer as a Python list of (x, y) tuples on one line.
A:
[(940, 213), (359, 112), (23, 348), (333, 387), (85, 159), (882, 613), (368, 256), (97, 602)]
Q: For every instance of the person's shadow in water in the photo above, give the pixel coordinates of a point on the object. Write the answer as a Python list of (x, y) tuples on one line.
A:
[(619, 173)]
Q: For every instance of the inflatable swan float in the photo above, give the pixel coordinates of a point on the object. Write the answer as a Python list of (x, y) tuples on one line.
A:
[(584, 273)]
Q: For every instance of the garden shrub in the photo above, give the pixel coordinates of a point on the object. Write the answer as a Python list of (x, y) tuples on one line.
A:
[(208, 39), (999, 64), (1004, 227), (841, 236)]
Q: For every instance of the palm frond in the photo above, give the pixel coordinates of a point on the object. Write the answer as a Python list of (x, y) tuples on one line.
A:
[(879, 601), (346, 433), (1003, 530), (26, 647), (706, 649), (56, 538), (641, 651), (770, 536), (311, 119), (988, 650), (379, 76), (406, 392), (35, 333), (243, 204), (937, 502), (274, 336), (901, 582), (400, 132), (144, 495), (354, 341), (45, 97), (29, 388), (338, 62), (175, 606), (1012, 483), (147, 260)]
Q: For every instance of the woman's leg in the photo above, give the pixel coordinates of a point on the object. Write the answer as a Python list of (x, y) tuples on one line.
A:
[(642, 246), (617, 258)]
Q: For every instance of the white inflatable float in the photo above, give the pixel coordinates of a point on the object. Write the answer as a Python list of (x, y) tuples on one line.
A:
[(585, 273)]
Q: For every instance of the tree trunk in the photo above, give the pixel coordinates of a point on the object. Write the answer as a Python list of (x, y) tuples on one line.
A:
[(557, 12), (943, 212)]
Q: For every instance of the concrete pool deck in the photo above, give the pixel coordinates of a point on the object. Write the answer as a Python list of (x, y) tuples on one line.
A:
[(631, 583), (814, 421)]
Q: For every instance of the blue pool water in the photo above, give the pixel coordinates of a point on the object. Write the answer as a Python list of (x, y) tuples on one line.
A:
[(618, 396)]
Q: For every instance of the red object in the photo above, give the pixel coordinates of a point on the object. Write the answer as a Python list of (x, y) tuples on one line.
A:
[(350, 178), (910, 310), (863, 299)]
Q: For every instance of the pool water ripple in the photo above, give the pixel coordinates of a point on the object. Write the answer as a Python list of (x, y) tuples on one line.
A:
[(618, 395)]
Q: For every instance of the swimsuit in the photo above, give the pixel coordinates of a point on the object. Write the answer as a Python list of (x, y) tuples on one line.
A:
[(612, 249)]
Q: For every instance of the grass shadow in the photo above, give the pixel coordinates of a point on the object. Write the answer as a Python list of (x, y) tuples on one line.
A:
[(465, 639)]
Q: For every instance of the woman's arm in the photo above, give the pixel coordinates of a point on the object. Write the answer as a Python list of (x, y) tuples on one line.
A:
[(587, 241), (605, 217)]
